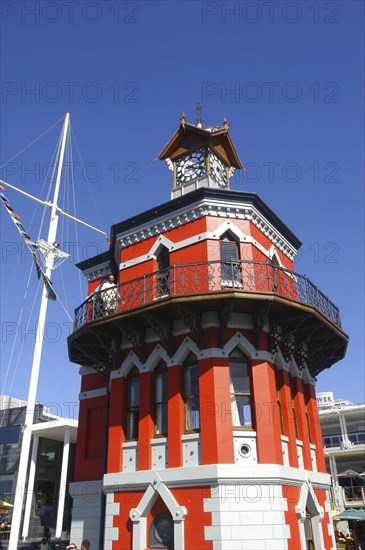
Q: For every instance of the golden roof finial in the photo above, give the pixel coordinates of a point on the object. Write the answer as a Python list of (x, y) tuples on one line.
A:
[(225, 124), (182, 119)]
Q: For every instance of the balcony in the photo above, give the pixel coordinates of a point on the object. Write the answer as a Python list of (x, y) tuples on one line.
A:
[(224, 287), (207, 277), (336, 441)]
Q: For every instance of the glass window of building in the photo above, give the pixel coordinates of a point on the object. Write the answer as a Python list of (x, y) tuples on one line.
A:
[(162, 532), (163, 275), (240, 388), (161, 398), (132, 404), (230, 265), (191, 393)]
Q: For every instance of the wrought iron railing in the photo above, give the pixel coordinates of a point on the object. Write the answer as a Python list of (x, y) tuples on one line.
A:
[(202, 278)]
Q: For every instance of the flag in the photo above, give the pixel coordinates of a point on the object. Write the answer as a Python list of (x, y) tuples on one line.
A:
[(51, 295)]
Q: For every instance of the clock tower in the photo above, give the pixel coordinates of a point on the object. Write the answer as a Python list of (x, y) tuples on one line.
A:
[(200, 157)]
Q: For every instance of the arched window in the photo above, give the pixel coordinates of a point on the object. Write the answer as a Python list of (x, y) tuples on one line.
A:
[(230, 264), (240, 387), (191, 393), (132, 404), (162, 532), (163, 275), (161, 399)]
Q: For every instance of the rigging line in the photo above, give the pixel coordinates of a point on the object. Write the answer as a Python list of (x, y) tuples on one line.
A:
[(91, 193), (32, 143), (63, 307), (76, 225), (40, 194), (21, 347), (55, 157), (18, 324)]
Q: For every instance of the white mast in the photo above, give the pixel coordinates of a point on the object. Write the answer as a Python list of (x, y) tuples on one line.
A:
[(27, 433)]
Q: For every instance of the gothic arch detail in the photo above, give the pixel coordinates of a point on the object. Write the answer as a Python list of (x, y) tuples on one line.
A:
[(139, 514)]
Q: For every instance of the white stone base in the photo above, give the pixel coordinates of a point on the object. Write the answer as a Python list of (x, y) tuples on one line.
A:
[(247, 517), (86, 511)]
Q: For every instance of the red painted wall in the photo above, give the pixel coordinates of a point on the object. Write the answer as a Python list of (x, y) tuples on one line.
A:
[(117, 419), (216, 432), (315, 426), (90, 439), (267, 422), (195, 521)]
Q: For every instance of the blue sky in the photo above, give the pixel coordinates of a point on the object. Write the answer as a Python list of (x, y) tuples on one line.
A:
[(287, 75)]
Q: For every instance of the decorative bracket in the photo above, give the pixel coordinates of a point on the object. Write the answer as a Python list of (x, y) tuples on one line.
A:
[(275, 337), (193, 321), (136, 336), (163, 329), (260, 319), (225, 315)]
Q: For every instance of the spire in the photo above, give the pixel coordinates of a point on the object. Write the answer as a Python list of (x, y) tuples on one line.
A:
[(199, 121)]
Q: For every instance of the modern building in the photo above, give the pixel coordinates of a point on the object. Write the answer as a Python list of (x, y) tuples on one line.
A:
[(343, 429), (51, 465), (198, 424)]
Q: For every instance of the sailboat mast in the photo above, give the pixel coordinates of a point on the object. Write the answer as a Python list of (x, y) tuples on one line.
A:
[(32, 393)]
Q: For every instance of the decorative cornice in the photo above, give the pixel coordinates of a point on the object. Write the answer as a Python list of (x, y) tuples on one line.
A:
[(207, 207), (257, 474)]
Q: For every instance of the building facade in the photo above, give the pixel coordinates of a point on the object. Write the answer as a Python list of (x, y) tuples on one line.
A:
[(343, 429), (198, 422), (51, 465)]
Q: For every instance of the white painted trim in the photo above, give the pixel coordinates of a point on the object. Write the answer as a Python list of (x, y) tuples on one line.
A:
[(154, 358), (240, 341), (187, 346), (309, 500), (279, 361), (200, 237), (264, 474), (294, 370), (206, 207), (83, 371), (92, 393), (132, 360), (139, 514)]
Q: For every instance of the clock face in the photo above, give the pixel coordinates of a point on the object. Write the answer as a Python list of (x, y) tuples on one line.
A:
[(190, 167), (218, 170)]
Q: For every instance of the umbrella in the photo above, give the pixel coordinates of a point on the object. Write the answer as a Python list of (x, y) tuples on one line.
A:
[(5, 504), (348, 473), (351, 514)]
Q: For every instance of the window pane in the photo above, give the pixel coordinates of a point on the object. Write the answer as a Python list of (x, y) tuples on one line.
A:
[(134, 392), (239, 378), (161, 419), (9, 435), (241, 410), (192, 414), (191, 381), (132, 424)]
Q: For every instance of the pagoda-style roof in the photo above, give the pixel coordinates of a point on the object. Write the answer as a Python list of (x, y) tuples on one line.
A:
[(189, 137)]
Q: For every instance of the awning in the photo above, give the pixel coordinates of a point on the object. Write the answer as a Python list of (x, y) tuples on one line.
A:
[(351, 514)]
